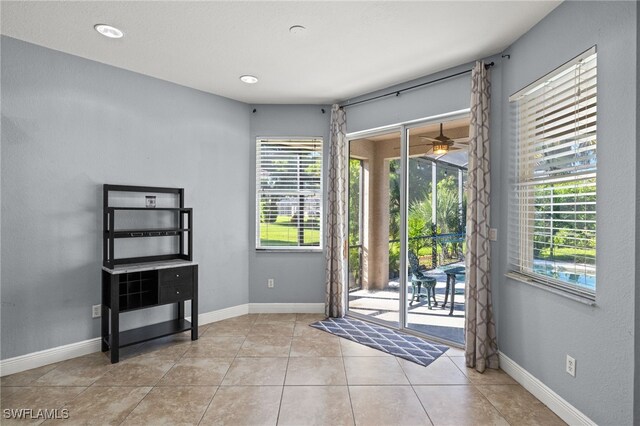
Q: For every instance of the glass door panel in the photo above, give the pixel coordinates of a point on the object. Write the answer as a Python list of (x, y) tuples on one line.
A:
[(436, 206), (374, 227)]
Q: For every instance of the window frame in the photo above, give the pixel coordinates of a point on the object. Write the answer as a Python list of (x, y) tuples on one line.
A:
[(517, 270), (290, 248)]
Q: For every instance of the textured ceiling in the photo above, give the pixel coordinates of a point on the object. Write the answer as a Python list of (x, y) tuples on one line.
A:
[(349, 48)]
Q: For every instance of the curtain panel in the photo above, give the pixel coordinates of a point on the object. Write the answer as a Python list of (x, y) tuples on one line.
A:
[(336, 214), (480, 330)]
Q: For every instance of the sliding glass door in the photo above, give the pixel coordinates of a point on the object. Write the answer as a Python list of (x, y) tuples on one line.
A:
[(407, 209), (436, 216), (374, 227)]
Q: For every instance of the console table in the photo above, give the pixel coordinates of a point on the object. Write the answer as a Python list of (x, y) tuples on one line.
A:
[(131, 287)]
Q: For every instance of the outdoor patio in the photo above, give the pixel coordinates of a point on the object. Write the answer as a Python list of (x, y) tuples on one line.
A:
[(384, 305)]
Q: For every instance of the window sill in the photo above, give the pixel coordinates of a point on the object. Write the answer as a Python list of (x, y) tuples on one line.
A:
[(532, 282), (289, 250)]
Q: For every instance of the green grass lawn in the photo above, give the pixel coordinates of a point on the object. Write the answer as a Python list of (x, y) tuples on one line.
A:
[(567, 254), (284, 233)]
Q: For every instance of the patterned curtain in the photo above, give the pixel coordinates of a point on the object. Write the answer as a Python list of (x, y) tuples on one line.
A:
[(480, 328), (336, 214)]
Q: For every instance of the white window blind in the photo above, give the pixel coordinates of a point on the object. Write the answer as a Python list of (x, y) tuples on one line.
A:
[(553, 208), (289, 193)]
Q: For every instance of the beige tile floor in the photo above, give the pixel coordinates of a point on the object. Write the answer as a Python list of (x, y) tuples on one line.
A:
[(267, 369)]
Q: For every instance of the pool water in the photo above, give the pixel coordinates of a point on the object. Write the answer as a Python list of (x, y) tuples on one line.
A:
[(581, 280)]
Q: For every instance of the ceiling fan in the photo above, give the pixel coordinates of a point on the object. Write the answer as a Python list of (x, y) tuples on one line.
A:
[(437, 145), (441, 143)]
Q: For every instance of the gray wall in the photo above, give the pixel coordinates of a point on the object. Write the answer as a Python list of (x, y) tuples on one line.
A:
[(438, 98), (68, 126), (299, 277), (536, 328), (636, 388)]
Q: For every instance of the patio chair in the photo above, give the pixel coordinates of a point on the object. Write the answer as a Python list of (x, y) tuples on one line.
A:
[(419, 279)]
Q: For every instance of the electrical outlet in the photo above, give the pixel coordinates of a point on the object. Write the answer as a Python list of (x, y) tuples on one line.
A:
[(493, 234), (270, 283), (571, 366), (96, 311)]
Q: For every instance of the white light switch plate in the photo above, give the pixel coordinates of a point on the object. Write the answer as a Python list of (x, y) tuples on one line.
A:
[(96, 311), (571, 366), (493, 234)]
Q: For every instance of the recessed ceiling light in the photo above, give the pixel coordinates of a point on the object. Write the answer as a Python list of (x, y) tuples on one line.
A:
[(249, 79), (108, 31), (297, 29)]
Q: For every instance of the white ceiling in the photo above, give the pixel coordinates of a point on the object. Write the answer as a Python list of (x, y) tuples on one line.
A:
[(349, 48)]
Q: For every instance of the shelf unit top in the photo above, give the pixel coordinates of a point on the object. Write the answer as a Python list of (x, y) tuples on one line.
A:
[(131, 188), (147, 266)]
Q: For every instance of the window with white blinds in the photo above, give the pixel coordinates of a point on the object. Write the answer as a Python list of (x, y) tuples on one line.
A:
[(289, 193), (553, 208)]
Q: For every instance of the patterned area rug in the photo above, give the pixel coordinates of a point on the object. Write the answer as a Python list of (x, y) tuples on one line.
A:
[(390, 341)]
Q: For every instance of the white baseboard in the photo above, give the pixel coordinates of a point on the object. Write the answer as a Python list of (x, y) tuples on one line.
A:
[(555, 402), (222, 314), (286, 308), (62, 353), (48, 356)]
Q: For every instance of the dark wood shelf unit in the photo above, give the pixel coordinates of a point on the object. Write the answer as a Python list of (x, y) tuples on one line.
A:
[(137, 290), (135, 283), (156, 232), (182, 229), (150, 332), (169, 209)]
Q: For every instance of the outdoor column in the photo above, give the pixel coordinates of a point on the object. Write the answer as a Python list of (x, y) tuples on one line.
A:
[(375, 211), (366, 219), (378, 262)]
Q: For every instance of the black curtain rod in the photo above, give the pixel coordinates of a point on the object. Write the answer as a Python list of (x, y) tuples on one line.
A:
[(397, 92)]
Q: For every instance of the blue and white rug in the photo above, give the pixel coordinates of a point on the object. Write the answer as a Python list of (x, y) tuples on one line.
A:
[(383, 339)]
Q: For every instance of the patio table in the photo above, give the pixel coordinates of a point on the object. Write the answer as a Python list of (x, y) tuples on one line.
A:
[(451, 284)]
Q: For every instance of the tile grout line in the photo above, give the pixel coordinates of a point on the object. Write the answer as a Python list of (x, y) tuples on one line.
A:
[(208, 405), (139, 402), (346, 379), (223, 377), (152, 386), (75, 397), (475, 387), (491, 403), (413, 389), (284, 381)]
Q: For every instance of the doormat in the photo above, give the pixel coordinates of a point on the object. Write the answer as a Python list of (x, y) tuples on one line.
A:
[(383, 339)]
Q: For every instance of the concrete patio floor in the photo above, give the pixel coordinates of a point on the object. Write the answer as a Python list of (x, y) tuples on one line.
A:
[(384, 305)]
